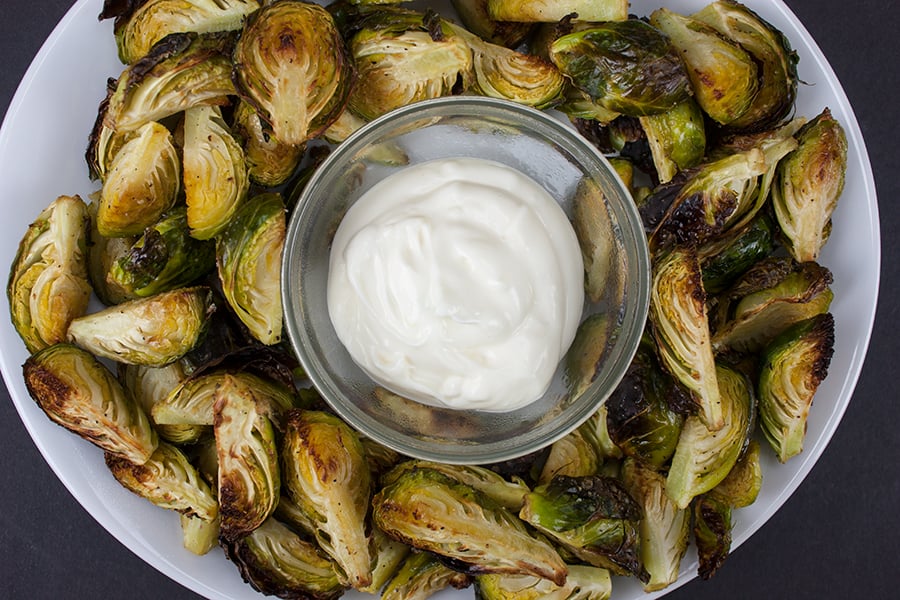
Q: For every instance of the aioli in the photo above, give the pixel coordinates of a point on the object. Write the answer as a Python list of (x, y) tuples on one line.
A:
[(457, 283)]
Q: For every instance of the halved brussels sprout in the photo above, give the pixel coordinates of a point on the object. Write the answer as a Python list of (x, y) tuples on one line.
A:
[(404, 57), (249, 478), (168, 480), (677, 138), (794, 365), (627, 66), (431, 511), (583, 583), (422, 575), (102, 254), (389, 557), (551, 11), (139, 25), (152, 385), (181, 71), (198, 535), (703, 458), (593, 517), (808, 184), (152, 331), (771, 296), (143, 182), (79, 393), (601, 251), (665, 528), (726, 262), (583, 359), (163, 258), (681, 329), (326, 474), (712, 534), (276, 561), (574, 455), (509, 75), (474, 16), (579, 105), (248, 253), (270, 162), (742, 485), (48, 280), (215, 171), (723, 75), (291, 64), (770, 49)]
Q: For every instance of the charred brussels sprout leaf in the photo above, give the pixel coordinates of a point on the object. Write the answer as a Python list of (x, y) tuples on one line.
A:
[(808, 184), (270, 162), (422, 575), (248, 253), (474, 16), (276, 561), (712, 534), (593, 517), (404, 57), (143, 182), (703, 458), (680, 326), (627, 66), (665, 528), (164, 258), (584, 582), (433, 512), (48, 280), (794, 365), (215, 172), (743, 250), (139, 25), (777, 62), (677, 138), (723, 75), (153, 331), (326, 474), (551, 11), (168, 480), (249, 479), (292, 66), (181, 71), (79, 393)]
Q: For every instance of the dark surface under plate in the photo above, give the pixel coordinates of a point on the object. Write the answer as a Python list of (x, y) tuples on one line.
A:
[(836, 537)]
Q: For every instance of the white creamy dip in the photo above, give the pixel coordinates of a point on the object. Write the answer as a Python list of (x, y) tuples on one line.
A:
[(458, 283)]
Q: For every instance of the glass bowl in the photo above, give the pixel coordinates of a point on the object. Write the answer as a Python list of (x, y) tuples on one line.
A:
[(538, 145)]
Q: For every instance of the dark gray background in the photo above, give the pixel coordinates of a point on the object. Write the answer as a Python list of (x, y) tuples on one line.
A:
[(837, 537)]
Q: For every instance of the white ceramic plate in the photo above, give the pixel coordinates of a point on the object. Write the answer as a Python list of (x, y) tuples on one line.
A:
[(42, 143)]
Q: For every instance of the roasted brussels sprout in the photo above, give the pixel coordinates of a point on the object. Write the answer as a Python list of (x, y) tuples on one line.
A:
[(102, 254), (326, 474), (681, 329), (741, 487), (404, 57), (601, 252), (593, 517), (431, 511), (276, 561), (168, 480), (163, 258), (723, 75), (794, 365), (422, 575), (79, 393), (703, 458), (808, 184), (389, 557), (727, 262), (142, 183), (48, 280), (665, 528), (772, 295), (677, 138), (151, 386), (770, 49), (583, 583), (248, 253), (291, 65), (582, 360), (181, 71), (199, 536), (270, 162), (152, 331), (712, 534), (474, 16), (139, 25), (574, 455), (249, 478), (215, 171), (627, 66), (551, 11)]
